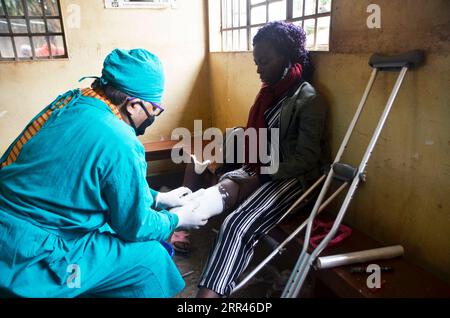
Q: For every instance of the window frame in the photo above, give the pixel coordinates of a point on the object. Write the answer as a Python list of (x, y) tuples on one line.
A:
[(289, 18), (47, 34)]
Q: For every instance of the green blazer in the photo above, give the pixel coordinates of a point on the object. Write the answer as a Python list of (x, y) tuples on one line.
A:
[(303, 146)]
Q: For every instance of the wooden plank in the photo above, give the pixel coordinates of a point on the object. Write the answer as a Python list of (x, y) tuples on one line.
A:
[(159, 150)]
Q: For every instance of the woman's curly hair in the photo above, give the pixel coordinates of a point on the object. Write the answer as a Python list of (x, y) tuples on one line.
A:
[(288, 40)]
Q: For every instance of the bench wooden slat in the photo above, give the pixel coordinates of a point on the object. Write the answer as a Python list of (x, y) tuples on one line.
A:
[(159, 150)]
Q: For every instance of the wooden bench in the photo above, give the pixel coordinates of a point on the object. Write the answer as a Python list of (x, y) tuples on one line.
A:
[(171, 174), (407, 280), (160, 150)]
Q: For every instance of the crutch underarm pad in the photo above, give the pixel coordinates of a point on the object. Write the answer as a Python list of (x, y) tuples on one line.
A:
[(344, 172), (410, 59)]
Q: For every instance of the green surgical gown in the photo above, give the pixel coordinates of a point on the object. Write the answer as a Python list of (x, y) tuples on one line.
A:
[(83, 171)]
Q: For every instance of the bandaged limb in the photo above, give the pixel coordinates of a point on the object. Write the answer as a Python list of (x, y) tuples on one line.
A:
[(165, 200), (235, 190), (224, 196)]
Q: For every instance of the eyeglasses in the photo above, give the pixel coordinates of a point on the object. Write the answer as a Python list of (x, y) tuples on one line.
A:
[(157, 109)]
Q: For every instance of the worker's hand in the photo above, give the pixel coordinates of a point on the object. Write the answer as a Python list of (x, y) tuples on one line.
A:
[(210, 202), (188, 219), (192, 196), (165, 200)]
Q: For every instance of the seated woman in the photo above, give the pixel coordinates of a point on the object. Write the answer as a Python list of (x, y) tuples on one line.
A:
[(256, 201)]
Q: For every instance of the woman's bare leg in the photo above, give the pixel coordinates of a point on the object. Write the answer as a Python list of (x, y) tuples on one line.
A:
[(195, 181), (237, 190), (204, 292)]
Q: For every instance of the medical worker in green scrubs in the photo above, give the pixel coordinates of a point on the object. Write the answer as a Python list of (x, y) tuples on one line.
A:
[(77, 217)]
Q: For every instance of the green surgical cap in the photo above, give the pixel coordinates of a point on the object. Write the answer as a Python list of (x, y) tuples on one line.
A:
[(136, 72)]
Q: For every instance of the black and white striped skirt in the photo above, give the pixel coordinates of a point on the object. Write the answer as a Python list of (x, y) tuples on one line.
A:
[(242, 229)]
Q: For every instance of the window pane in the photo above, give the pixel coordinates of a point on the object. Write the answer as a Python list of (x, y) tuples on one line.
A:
[(277, 10), (1, 10), (253, 33), (297, 8), (19, 26), (34, 7), (6, 48), (243, 40), (235, 13), (257, 1), (235, 40), (309, 26), (324, 6), (23, 46), (3, 26), (230, 41), (57, 43), (228, 21), (51, 7), (310, 7), (224, 40), (258, 15), (40, 46), (227, 41), (224, 13), (37, 26), (243, 20), (323, 33), (14, 7), (54, 25), (299, 23)]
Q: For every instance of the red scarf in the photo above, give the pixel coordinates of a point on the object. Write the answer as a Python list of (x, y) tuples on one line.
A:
[(268, 97)]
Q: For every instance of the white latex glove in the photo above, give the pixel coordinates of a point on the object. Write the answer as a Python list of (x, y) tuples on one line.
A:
[(210, 203), (192, 196), (200, 167), (172, 198), (188, 219)]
